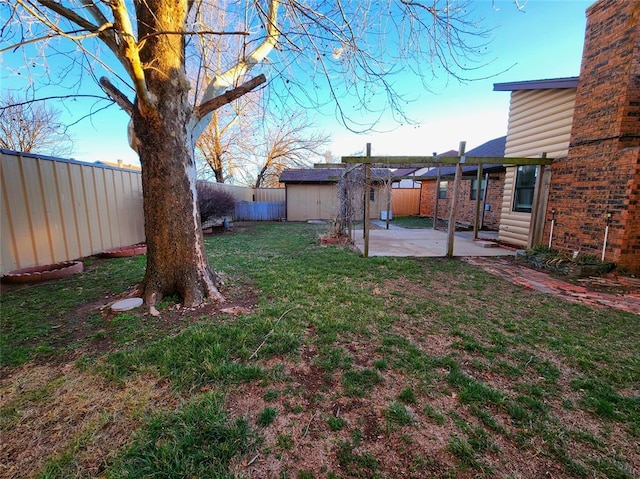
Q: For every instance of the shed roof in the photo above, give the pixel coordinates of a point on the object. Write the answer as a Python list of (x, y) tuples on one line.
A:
[(325, 175), (566, 82)]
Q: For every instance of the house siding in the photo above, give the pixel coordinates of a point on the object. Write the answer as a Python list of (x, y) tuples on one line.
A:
[(539, 122)]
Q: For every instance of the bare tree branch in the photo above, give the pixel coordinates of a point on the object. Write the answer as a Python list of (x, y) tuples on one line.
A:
[(129, 52), (230, 77), (229, 96), (116, 95)]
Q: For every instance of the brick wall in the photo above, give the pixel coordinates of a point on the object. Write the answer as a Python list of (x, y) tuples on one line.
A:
[(466, 206), (427, 198), (601, 174)]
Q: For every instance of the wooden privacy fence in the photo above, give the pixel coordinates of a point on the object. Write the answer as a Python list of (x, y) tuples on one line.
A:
[(260, 211), (405, 201), (54, 210)]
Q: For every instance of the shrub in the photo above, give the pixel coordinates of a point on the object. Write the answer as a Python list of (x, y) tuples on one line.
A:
[(214, 203)]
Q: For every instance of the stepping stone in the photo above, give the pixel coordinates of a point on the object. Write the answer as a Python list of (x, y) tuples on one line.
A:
[(126, 304)]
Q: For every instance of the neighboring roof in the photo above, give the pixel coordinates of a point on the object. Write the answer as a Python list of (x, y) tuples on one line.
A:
[(404, 171), (448, 153), (324, 175), (119, 165), (491, 148), (567, 82)]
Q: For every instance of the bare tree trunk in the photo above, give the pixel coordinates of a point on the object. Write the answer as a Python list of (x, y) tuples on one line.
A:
[(176, 259), (217, 170), (262, 174)]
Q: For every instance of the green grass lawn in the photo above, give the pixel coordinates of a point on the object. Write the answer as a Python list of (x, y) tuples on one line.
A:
[(336, 367), (413, 222)]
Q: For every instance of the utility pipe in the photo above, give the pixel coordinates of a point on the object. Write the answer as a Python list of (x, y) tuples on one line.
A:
[(553, 222), (606, 235)]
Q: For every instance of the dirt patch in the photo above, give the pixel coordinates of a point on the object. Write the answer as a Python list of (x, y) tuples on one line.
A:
[(50, 410), (303, 437), (82, 335)]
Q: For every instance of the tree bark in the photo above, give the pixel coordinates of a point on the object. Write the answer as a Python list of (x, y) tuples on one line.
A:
[(176, 258)]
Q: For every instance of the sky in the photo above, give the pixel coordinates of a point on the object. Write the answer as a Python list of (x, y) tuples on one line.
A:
[(542, 40)]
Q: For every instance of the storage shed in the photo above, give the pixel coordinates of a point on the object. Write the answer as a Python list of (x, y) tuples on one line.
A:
[(312, 193)]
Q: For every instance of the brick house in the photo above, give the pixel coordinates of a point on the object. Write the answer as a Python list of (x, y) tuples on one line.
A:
[(591, 126), (491, 191)]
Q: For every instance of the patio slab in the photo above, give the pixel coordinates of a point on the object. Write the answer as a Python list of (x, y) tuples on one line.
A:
[(424, 242)]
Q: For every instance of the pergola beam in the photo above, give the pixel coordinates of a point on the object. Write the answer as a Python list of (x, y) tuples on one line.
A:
[(431, 161)]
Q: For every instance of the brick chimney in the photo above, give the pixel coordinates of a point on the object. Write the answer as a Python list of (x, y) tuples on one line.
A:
[(598, 184)]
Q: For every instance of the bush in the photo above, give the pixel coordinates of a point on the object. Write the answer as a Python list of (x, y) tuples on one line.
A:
[(214, 203)]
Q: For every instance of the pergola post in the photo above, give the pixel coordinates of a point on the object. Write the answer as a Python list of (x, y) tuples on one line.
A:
[(454, 201), (367, 206), (535, 205), (476, 221), (435, 206)]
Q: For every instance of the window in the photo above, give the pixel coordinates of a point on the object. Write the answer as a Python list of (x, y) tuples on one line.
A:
[(442, 189), (372, 194), (474, 188), (525, 184)]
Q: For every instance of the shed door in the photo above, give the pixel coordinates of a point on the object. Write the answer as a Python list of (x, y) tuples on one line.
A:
[(310, 202), (326, 195)]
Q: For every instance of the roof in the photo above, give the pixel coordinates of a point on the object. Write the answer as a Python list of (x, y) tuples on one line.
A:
[(404, 171), (447, 153), (324, 175), (491, 148), (566, 82)]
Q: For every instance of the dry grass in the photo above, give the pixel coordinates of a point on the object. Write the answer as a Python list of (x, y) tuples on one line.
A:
[(58, 411)]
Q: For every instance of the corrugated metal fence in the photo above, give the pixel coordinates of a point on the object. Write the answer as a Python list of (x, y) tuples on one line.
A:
[(57, 210), (54, 210)]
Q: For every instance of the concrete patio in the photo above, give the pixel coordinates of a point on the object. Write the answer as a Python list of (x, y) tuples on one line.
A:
[(397, 241)]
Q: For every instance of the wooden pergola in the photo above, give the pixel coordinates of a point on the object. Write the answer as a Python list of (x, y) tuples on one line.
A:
[(434, 161)]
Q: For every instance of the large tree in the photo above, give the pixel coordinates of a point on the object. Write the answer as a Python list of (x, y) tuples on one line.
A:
[(354, 49)]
